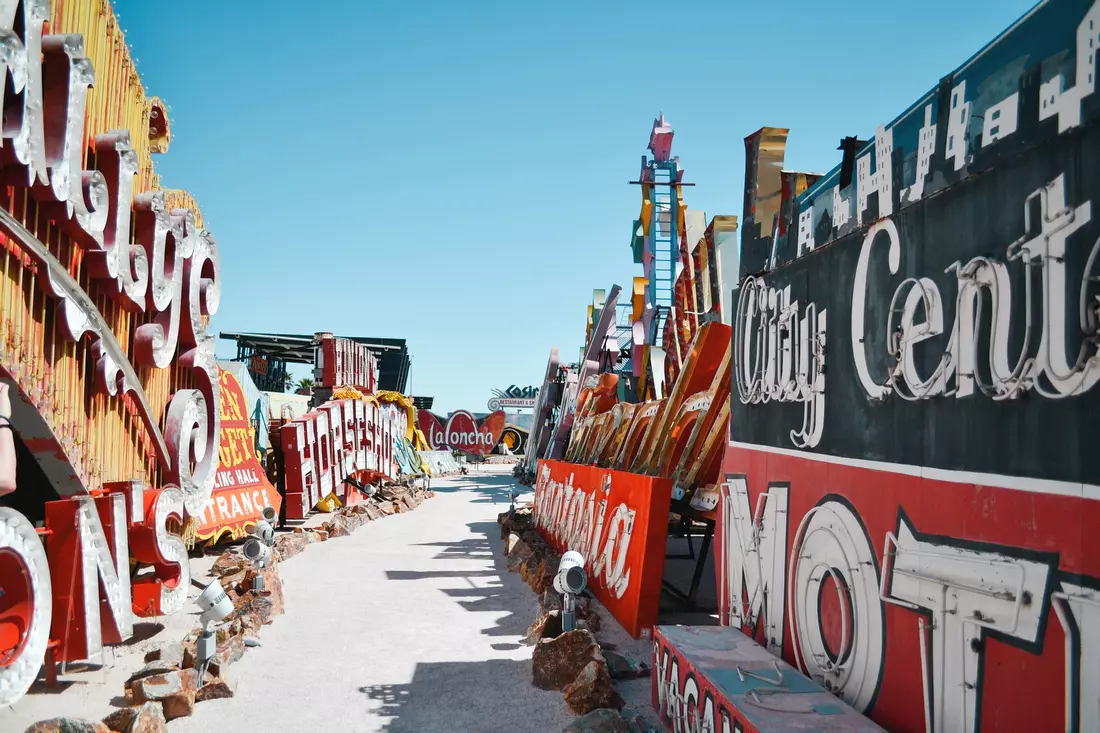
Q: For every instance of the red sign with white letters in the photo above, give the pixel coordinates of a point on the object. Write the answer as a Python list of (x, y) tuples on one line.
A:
[(462, 431), (618, 522), (345, 362), (338, 439)]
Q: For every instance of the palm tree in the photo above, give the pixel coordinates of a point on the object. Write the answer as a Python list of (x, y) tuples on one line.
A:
[(305, 384)]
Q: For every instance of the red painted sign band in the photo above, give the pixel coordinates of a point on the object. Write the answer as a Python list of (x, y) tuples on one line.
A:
[(867, 567), (618, 521)]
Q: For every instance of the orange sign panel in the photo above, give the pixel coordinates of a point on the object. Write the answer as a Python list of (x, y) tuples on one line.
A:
[(618, 521), (241, 488)]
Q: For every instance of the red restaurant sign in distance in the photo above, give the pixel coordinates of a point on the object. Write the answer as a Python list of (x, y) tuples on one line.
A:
[(241, 489), (619, 522), (462, 431)]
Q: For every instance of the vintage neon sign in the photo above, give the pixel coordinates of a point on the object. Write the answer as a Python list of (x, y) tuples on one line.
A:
[(241, 489), (169, 272), (462, 431), (343, 362), (60, 588), (933, 557), (611, 518), (334, 441)]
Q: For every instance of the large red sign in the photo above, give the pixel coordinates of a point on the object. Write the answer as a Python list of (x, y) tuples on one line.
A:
[(334, 441), (241, 488), (344, 362), (89, 546), (462, 431), (618, 521), (965, 597)]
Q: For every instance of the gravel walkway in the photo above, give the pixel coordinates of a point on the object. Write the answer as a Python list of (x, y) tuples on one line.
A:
[(411, 624)]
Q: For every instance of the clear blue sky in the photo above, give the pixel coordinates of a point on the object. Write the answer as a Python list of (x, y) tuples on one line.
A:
[(455, 173)]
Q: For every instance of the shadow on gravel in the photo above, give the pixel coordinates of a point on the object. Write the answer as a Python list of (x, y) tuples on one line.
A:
[(473, 697), (492, 487), (465, 697), (496, 591)]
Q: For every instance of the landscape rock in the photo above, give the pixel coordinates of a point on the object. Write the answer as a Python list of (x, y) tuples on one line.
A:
[(152, 668), (546, 626), (145, 718), (601, 720), (555, 663), (254, 609), (592, 689), (273, 588), (217, 688), (550, 601), (181, 705), (386, 508), (172, 653), (591, 621), (68, 725), (228, 564), (174, 690), (541, 577), (338, 527), (289, 545), (621, 668)]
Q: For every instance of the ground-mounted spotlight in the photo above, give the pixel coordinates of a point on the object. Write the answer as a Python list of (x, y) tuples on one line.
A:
[(257, 552), (264, 532), (270, 515), (216, 607), (569, 581)]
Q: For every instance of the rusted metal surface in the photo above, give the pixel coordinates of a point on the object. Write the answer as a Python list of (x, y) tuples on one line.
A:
[(718, 677)]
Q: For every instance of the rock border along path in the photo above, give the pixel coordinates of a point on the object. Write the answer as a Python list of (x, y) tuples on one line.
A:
[(168, 686), (575, 662)]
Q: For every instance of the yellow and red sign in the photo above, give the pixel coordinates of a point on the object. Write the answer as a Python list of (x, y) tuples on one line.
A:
[(618, 521), (241, 489)]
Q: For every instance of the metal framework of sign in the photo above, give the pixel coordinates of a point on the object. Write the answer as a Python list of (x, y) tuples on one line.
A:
[(617, 521), (910, 513)]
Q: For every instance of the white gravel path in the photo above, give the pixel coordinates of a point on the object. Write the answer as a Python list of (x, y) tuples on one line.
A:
[(411, 624)]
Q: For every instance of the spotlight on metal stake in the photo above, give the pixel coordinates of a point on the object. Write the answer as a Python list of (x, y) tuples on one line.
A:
[(258, 553), (569, 581), (216, 607)]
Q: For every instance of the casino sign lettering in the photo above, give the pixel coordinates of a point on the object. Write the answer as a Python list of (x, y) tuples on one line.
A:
[(514, 397)]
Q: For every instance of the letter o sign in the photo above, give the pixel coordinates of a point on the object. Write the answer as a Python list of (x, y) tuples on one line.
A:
[(836, 616), (26, 608)]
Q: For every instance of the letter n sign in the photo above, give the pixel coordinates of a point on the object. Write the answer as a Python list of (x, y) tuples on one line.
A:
[(86, 554)]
